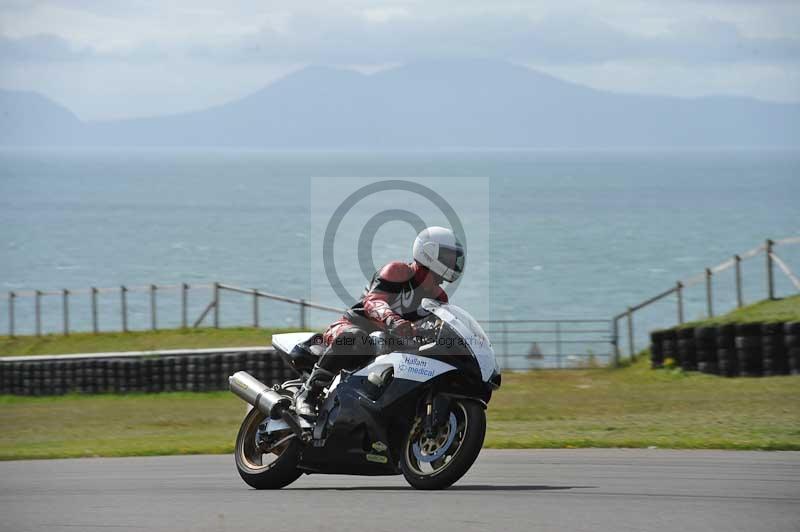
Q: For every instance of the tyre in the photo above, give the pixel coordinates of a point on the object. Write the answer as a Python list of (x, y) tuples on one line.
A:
[(686, 349), (791, 340), (725, 335), (793, 354), (437, 462), (727, 362), (261, 470), (706, 349), (669, 339), (656, 349)]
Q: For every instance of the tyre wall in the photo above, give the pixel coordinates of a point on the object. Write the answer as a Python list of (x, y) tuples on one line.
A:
[(730, 350), (152, 373)]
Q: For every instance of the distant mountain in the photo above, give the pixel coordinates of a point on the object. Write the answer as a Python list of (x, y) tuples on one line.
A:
[(435, 104), (30, 119)]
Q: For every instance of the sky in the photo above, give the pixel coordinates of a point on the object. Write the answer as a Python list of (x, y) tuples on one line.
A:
[(108, 59)]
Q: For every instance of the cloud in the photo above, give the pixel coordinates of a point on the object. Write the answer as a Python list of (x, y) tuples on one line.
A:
[(41, 48), (559, 39), (388, 34), (112, 58)]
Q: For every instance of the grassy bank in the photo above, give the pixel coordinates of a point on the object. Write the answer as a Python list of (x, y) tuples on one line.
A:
[(53, 344), (630, 407), (781, 310)]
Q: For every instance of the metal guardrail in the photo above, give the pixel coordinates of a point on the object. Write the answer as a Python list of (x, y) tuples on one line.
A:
[(707, 277), (561, 343)]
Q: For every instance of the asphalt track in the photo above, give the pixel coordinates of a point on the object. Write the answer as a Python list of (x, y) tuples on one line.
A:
[(532, 490)]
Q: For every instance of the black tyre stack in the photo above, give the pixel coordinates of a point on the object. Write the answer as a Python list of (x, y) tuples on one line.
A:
[(727, 359), (749, 349), (5, 378), (216, 378), (669, 342), (791, 341), (657, 349), (705, 345), (686, 349), (17, 375), (181, 368), (126, 375), (203, 372), (227, 368), (773, 349), (168, 376)]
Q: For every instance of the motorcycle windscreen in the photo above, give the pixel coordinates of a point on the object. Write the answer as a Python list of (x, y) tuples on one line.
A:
[(471, 332)]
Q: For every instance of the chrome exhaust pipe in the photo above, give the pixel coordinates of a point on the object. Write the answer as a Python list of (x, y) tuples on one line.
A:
[(258, 394)]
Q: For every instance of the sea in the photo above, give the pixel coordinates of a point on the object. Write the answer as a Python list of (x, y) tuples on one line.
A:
[(550, 234)]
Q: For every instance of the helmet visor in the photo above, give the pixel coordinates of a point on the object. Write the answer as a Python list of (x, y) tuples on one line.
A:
[(452, 258)]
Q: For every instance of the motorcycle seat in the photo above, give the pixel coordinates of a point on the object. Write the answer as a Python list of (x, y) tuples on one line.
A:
[(313, 346), (299, 350)]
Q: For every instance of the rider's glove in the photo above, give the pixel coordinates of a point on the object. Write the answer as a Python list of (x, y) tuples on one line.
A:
[(400, 327)]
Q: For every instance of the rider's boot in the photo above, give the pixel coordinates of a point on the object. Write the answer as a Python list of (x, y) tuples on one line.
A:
[(306, 399)]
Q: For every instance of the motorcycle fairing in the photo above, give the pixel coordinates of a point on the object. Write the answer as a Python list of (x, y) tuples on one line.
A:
[(349, 424), (469, 329), (408, 366)]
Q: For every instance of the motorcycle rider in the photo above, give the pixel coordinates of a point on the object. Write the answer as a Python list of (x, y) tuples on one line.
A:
[(391, 303)]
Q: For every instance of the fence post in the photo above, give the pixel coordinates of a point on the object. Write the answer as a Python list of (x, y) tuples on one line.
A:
[(65, 304), (615, 339), (95, 328), (153, 310), (184, 305), (709, 298), (770, 276), (631, 348), (38, 312), (302, 313), (558, 343), (679, 291), (737, 261), (123, 298), (11, 296), (216, 305), (255, 308), (506, 354)]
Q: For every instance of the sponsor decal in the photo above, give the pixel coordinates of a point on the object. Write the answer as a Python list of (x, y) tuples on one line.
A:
[(378, 458), (379, 446), (415, 366)]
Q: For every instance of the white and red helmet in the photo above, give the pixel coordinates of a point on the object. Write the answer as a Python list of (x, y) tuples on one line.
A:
[(438, 249)]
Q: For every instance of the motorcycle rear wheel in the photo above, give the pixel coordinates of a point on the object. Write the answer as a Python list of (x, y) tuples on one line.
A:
[(437, 462), (254, 466)]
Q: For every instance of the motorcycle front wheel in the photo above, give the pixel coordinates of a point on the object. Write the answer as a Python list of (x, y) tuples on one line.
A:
[(267, 466), (436, 461)]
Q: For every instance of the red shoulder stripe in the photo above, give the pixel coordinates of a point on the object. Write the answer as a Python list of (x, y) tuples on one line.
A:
[(396, 272)]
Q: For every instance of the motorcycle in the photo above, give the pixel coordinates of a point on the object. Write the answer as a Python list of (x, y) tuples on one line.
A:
[(417, 408)]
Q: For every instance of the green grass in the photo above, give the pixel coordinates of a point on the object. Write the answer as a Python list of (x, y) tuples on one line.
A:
[(640, 407), (55, 344), (630, 407), (781, 310)]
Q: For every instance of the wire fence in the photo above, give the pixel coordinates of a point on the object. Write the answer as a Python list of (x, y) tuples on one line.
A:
[(558, 344), (706, 279), (198, 305), (520, 344)]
